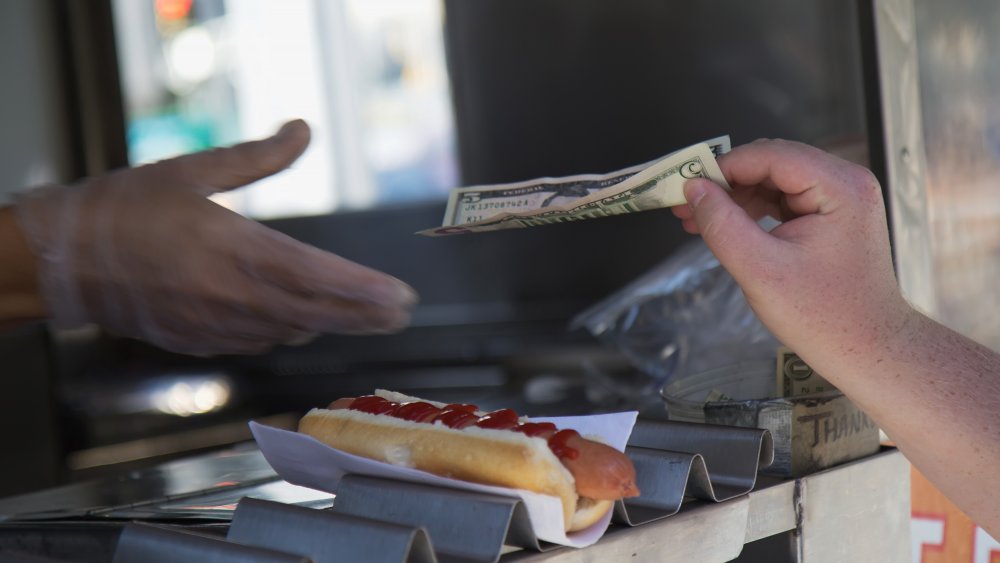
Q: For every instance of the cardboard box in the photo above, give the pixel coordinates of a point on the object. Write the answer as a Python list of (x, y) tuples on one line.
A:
[(810, 432)]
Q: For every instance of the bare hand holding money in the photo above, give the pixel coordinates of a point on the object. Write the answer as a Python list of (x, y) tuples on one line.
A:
[(558, 200), (823, 282)]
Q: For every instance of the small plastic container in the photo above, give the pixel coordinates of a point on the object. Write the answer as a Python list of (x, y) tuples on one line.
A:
[(685, 398)]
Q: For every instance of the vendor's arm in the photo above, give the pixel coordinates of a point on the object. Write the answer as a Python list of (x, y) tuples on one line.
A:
[(144, 253), (823, 282), (20, 300)]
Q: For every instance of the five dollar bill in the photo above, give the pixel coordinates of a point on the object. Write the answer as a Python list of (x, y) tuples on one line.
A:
[(558, 200)]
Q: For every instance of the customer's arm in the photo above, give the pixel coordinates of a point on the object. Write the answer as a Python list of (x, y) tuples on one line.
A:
[(823, 282)]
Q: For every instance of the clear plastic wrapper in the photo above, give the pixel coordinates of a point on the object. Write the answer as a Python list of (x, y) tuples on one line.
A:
[(685, 316)]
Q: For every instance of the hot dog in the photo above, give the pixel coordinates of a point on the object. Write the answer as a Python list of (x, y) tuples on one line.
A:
[(495, 448)]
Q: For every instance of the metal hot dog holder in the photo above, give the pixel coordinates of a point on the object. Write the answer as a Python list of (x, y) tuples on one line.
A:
[(702, 500), (375, 518), (302, 460)]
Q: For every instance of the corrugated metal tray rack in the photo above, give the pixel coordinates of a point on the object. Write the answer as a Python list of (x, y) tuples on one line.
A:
[(701, 501), (377, 519)]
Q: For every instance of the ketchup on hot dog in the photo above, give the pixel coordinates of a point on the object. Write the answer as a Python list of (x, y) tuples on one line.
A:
[(460, 416), (599, 471)]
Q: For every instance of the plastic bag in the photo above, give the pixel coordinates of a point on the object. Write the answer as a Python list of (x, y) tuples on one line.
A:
[(685, 316)]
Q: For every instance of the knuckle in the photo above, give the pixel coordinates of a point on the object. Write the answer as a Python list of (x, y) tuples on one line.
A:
[(866, 183)]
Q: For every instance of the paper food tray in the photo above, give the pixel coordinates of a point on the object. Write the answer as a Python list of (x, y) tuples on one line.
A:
[(303, 460)]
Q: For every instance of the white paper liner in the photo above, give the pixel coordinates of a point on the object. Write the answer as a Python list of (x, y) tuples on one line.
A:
[(303, 460)]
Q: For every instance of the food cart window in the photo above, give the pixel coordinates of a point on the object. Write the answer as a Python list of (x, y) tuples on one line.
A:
[(368, 75)]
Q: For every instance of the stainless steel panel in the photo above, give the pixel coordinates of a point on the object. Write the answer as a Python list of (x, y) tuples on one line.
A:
[(906, 161), (857, 512), (939, 80)]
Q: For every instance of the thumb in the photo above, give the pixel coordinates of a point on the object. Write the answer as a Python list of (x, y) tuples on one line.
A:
[(730, 233), (223, 169)]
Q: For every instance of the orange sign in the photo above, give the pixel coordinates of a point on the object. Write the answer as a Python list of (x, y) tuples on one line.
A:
[(941, 533)]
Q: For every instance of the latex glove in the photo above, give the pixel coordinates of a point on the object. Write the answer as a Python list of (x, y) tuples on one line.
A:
[(822, 281), (142, 252)]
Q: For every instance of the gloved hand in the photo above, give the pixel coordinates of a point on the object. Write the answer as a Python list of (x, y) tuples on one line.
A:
[(143, 253)]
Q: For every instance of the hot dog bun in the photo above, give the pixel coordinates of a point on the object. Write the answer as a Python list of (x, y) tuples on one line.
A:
[(479, 455)]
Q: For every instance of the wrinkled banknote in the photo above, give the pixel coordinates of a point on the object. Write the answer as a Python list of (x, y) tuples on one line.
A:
[(557, 200), (795, 377)]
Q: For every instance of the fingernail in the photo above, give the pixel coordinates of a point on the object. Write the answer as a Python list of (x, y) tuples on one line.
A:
[(694, 191)]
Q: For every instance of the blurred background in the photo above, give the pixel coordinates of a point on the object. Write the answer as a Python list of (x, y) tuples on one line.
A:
[(369, 76)]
